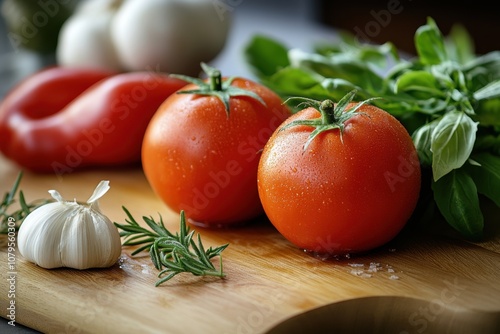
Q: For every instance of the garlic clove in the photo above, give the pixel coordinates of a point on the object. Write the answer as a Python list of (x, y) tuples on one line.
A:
[(38, 239), (70, 234), (101, 189), (88, 241), (84, 39), (172, 36)]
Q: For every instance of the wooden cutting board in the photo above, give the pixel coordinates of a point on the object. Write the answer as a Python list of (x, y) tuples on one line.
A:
[(268, 279)]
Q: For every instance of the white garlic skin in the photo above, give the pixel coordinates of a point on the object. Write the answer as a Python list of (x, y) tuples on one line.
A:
[(69, 234)]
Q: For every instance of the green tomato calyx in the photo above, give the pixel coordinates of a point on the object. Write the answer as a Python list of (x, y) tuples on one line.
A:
[(216, 86), (332, 116)]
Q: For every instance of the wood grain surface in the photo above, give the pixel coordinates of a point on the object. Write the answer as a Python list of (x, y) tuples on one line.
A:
[(268, 279)]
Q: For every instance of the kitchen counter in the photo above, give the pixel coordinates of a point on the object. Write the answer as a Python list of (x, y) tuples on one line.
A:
[(268, 279)]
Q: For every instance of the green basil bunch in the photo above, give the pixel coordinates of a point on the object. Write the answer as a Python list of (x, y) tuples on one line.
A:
[(446, 96)]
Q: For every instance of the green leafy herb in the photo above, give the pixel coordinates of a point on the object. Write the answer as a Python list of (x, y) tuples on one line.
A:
[(24, 207), (171, 253), (486, 175), (446, 96), (452, 141), (457, 199)]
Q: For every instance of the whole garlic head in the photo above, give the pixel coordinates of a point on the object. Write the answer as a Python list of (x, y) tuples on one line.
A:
[(172, 36), (70, 234)]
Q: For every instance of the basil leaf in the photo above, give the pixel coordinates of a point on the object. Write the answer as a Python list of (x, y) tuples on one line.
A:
[(489, 91), (429, 43), (266, 56), (377, 56), (487, 175), (459, 44), (483, 69), (457, 199), (420, 84), (452, 141), (338, 88), (298, 82), (341, 66), (422, 140), (488, 112), (432, 106)]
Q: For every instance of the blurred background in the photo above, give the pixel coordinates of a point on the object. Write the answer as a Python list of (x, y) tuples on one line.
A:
[(297, 23), (397, 20)]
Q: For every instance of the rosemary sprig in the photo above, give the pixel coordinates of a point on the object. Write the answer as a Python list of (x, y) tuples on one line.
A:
[(22, 212), (171, 253)]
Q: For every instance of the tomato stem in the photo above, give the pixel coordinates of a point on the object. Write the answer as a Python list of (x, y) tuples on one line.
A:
[(216, 81), (327, 110), (332, 116), (217, 87), (215, 77)]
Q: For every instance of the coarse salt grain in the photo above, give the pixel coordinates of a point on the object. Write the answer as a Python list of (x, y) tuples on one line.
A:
[(357, 272), (145, 269), (367, 271)]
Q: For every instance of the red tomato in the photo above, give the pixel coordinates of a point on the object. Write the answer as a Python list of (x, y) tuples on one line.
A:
[(343, 193), (62, 119), (202, 159)]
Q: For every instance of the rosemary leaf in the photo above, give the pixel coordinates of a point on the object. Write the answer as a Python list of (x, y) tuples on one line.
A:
[(141, 249), (201, 251), (155, 256), (157, 228), (171, 253), (25, 208), (166, 278), (139, 239)]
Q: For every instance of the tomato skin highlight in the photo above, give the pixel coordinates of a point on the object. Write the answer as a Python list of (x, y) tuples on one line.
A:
[(201, 160), (340, 196), (64, 119)]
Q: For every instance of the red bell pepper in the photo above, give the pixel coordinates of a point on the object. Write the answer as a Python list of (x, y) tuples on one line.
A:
[(63, 119)]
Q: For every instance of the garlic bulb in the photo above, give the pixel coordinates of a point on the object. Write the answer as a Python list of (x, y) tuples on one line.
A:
[(70, 234), (171, 36)]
